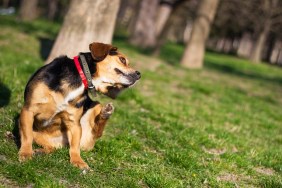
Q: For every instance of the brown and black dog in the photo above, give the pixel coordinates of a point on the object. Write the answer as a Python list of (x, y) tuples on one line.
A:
[(57, 110)]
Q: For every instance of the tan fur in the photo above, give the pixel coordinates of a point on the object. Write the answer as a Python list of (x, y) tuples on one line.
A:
[(51, 119)]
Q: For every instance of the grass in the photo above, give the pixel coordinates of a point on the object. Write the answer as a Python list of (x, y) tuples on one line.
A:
[(215, 127)]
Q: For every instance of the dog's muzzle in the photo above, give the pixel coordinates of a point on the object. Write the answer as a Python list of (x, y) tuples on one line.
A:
[(133, 78)]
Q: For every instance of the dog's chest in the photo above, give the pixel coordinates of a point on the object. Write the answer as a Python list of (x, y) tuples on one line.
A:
[(65, 108)]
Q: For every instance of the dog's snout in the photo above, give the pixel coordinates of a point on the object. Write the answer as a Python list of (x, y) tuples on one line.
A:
[(138, 74)]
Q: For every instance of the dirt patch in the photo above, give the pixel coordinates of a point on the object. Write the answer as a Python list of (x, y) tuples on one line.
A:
[(265, 171), (228, 177), (9, 135), (234, 178), (214, 151), (147, 88), (7, 183)]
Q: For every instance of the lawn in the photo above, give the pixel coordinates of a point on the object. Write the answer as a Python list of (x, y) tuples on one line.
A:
[(216, 127)]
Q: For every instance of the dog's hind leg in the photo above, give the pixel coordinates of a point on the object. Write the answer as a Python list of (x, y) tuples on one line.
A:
[(42, 140), (25, 126)]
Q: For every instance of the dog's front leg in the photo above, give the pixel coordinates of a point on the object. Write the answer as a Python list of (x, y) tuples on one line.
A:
[(74, 135), (102, 118), (25, 126)]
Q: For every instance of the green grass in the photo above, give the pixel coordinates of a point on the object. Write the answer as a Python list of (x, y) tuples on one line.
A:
[(216, 127)]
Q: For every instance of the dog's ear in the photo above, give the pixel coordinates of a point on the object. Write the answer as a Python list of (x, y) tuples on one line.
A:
[(99, 51)]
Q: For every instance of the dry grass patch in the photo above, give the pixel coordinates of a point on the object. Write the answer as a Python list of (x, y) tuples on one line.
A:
[(265, 171)]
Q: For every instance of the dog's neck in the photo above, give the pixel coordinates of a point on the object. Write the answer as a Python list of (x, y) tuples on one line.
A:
[(89, 67), (90, 62)]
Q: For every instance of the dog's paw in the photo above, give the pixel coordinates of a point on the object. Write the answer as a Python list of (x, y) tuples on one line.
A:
[(24, 156), (107, 111), (80, 164), (41, 151)]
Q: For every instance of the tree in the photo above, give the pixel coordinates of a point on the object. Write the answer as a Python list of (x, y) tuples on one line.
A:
[(255, 22), (28, 10), (52, 9), (85, 22), (127, 11), (163, 14), (170, 12), (231, 28), (266, 12), (5, 3), (194, 52), (173, 27), (143, 33)]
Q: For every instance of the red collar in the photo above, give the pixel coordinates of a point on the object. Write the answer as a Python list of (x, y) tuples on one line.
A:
[(80, 71)]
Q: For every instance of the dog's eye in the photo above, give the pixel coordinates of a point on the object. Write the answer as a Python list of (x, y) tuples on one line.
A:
[(123, 60)]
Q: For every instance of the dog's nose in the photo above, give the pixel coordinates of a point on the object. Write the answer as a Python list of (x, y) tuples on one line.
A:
[(138, 74)]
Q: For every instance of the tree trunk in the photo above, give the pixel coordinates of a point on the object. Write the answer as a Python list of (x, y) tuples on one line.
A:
[(219, 45), (6, 3), (28, 10), (52, 9), (279, 58), (256, 52), (270, 47), (86, 21), (122, 10), (164, 33), (235, 45), (162, 17), (143, 33), (133, 17), (126, 14), (245, 46), (194, 53), (276, 54), (227, 46)]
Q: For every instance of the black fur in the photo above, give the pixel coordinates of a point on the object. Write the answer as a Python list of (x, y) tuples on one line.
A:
[(88, 103), (60, 69)]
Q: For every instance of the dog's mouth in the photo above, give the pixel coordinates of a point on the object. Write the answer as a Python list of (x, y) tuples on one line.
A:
[(113, 89), (119, 85), (122, 85), (126, 81)]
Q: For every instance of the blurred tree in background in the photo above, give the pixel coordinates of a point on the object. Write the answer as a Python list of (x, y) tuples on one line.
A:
[(52, 9), (28, 10), (263, 18), (85, 22), (143, 32), (172, 24), (249, 29), (194, 53)]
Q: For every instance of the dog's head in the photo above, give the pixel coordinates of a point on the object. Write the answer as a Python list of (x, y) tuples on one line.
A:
[(113, 73)]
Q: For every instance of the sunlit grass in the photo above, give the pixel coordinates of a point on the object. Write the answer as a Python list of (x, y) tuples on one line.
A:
[(216, 127)]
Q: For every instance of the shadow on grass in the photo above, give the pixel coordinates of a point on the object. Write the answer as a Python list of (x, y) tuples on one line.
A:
[(172, 53), (16, 132), (38, 28), (45, 47), (230, 68), (5, 95), (30, 27)]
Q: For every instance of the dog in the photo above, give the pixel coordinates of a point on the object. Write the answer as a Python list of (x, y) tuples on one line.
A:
[(58, 108)]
